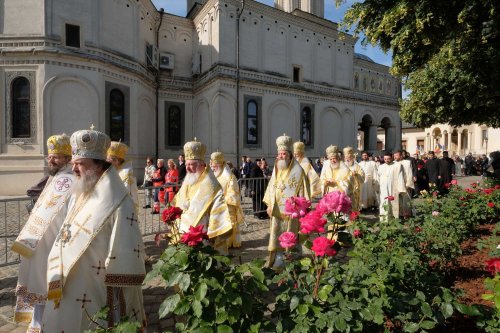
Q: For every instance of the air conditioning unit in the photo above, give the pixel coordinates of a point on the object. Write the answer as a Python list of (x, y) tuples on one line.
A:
[(151, 56), (166, 61)]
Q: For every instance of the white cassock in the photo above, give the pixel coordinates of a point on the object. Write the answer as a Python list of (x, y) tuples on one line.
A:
[(369, 191), (342, 177), (34, 243), (405, 198), (127, 176), (314, 183), (358, 177), (392, 183), (97, 260)]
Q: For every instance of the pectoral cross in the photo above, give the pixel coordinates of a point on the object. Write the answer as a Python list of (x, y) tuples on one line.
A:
[(98, 267), (83, 300), (134, 313), (81, 228), (138, 250), (292, 182), (132, 219)]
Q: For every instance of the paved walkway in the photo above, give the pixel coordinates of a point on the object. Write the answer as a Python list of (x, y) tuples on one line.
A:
[(254, 245)]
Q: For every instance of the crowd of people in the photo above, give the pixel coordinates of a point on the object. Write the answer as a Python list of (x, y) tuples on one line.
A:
[(81, 248)]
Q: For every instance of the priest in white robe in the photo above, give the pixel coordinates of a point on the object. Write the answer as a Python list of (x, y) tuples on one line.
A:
[(201, 199), (369, 191), (392, 184), (97, 258), (335, 176), (288, 180), (405, 209), (358, 177), (116, 155), (299, 154), (232, 196), (38, 234)]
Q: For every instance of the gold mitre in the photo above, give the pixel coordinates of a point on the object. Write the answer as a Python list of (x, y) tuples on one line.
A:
[(59, 144), (299, 147), (194, 150), (348, 151), (90, 144), (217, 158), (118, 150), (284, 142), (332, 151)]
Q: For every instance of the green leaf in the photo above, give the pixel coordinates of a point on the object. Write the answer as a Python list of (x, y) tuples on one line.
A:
[(201, 291), (185, 281), (182, 307), (446, 310), (411, 327), (427, 324), (181, 258), (168, 305), (303, 309), (306, 262), (257, 273), (420, 295), (221, 315), (294, 302), (197, 308), (426, 309), (174, 279), (340, 324), (324, 292), (224, 329), (467, 310)]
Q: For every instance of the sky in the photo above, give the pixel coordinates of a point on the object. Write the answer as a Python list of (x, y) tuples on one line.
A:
[(178, 7)]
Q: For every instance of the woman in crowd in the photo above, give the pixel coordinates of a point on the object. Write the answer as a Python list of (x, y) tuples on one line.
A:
[(171, 179), (149, 171)]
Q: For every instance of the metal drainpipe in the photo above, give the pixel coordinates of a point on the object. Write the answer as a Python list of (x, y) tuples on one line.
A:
[(157, 88), (238, 15)]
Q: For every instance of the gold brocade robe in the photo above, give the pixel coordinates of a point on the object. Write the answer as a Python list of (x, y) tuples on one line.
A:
[(35, 241), (342, 177), (358, 176), (283, 185), (97, 260), (313, 177), (203, 203), (232, 197)]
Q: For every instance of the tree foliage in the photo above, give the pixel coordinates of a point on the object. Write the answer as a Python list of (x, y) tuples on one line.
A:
[(447, 52)]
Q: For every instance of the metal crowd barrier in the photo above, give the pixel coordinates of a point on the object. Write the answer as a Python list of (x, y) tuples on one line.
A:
[(252, 192), (13, 216)]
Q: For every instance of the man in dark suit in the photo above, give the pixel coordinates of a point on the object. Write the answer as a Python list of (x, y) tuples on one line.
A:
[(451, 165), (182, 168), (258, 188), (433, 168)]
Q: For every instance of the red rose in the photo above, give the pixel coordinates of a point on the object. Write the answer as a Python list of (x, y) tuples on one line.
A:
[(491, 204), (323, 246), (312, 222), (447, 185), (462, 198), (418, 229), (171, 214), (194, 236), (354, 216), (497, 186), (493, 265), (474, 185), (488, 190), (357, 233), (389, 198)]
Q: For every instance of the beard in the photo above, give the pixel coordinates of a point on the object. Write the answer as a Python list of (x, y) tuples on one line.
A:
[(86, 182), (282, 164), (349, 163), (54, 169), (334, 165), (192, 178)]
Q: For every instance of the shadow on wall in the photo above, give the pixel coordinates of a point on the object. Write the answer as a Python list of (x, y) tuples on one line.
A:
[(2, 19)]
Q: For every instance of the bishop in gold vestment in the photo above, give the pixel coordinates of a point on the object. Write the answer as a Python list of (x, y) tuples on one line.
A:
[(202, 199), (232, 196), (358, 177), (335, 176), (288, 180), (299, 154), (116, 156), (37, 236)]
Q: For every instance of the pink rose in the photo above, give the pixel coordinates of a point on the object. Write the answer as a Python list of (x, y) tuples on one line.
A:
[(323, 246), (357, 233), (296, 207), (336, 201), (493, 265), (287, 240), (454, 182), (312, 222), (435, 213), (194, 236)]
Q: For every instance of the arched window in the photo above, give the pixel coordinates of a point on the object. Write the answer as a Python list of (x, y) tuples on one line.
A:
[(21, 120), (252, 137), (306, 128), (174, 126), (116, 115)]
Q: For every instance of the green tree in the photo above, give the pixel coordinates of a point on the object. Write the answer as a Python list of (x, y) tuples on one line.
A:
[(447, 53)]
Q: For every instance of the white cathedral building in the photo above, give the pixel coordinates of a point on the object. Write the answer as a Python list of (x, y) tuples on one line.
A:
[(234, 74)]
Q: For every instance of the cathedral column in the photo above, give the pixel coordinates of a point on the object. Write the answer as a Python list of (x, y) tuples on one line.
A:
[(390, 138), (469, 140), (372, 138), (459, 143), (448, 144)]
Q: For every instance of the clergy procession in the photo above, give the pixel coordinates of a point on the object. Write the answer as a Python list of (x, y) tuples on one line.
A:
[(82, 248)]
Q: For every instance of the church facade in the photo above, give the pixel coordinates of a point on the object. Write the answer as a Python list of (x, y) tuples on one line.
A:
[(233, 77)]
